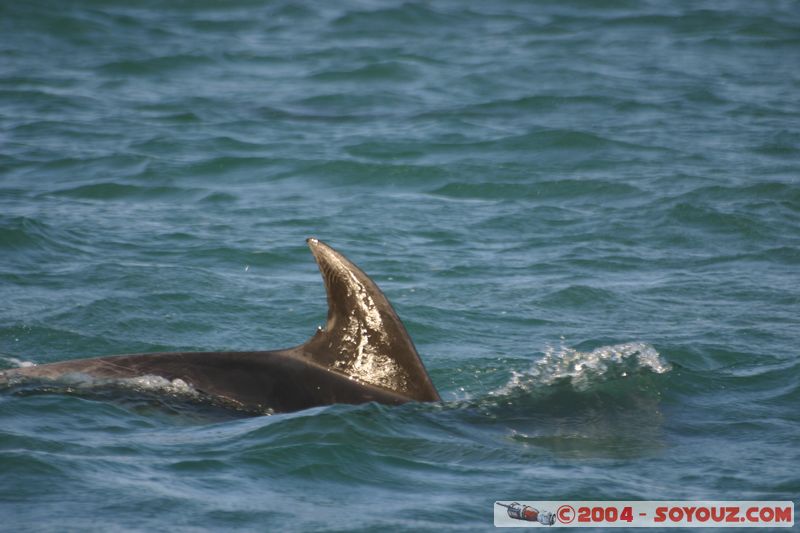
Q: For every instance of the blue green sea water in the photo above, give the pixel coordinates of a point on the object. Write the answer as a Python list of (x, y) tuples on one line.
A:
[(586, 213)]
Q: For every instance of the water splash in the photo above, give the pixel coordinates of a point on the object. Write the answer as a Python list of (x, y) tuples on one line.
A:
[(78, 382), (583, 369), (150, 383), (7, 361), (600, 403)]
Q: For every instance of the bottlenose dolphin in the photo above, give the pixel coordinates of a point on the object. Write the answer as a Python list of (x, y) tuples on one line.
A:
[(363, 354)]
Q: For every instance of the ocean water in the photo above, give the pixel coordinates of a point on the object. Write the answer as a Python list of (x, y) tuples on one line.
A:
[(586, 213)]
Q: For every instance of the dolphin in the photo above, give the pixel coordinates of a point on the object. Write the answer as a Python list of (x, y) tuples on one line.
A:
[(363, 354)]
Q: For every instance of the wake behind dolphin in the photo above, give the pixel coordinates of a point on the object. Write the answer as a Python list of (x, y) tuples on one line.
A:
[(364, 354)]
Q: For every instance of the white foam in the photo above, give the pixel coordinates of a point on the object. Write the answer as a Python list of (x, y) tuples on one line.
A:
[(585, 368), (18, 363), (151, 383)]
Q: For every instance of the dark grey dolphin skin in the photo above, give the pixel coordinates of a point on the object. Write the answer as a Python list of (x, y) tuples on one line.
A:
[(363, 354)]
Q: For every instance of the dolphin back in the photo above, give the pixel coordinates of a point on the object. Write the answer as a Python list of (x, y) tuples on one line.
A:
[(363, 353)]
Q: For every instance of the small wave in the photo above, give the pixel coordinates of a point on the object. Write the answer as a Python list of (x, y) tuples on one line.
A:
[(583, 369), (746, 194), (25, 232), (154, 65), (388, 71), (579, 296), (601, 403), (412, 18), (122, 191), (543, 190), (345, 172), (719, 220)]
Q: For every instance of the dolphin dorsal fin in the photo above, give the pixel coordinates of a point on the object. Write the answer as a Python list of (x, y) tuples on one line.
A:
[(363, 337)]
